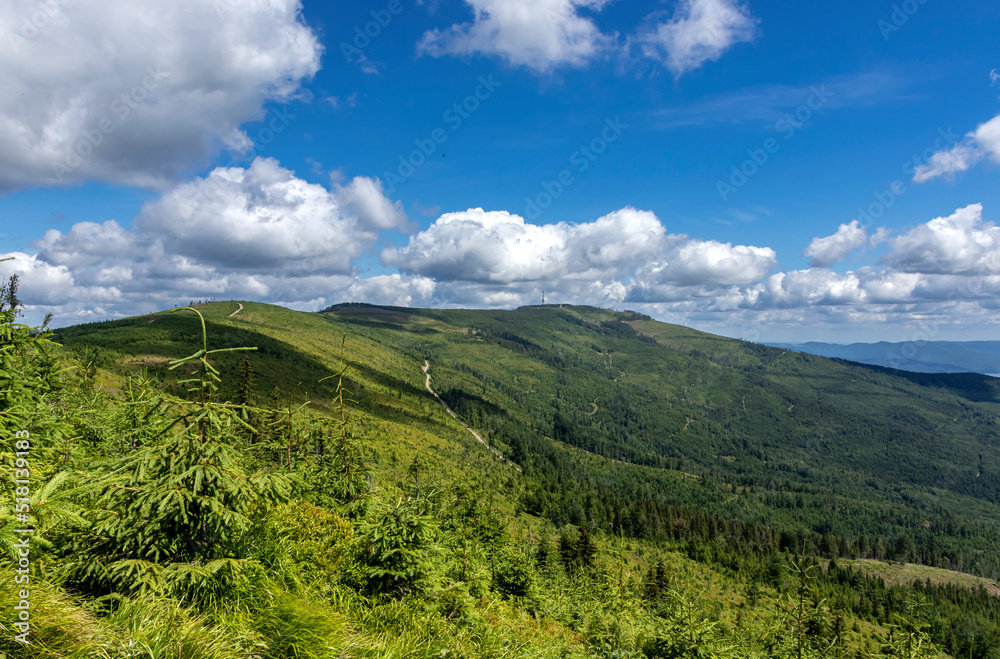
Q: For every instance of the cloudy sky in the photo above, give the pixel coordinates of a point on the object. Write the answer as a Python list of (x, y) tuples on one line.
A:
[(768, 170)]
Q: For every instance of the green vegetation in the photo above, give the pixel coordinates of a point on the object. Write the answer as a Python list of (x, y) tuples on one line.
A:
[(673, 494)]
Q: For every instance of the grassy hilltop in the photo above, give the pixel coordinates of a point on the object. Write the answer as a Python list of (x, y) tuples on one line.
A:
[(652, 491)]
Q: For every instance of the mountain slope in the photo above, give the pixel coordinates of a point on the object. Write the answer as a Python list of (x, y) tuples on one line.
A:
[(618, 419)]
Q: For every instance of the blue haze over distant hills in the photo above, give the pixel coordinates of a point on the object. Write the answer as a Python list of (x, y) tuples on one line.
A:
[(919, 356)]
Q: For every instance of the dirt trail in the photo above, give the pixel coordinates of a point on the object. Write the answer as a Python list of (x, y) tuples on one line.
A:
[(237, 311), (427, 383)]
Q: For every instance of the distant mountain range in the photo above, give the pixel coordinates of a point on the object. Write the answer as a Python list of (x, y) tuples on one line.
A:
[(919, 356)]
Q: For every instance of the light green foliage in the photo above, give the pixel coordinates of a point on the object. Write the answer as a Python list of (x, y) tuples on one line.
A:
[(683, 631), (168, 515), (908, 636), (30, 382)]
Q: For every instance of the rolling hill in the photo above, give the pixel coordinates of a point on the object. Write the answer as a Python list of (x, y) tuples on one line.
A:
[(619, 421), (550, 481)]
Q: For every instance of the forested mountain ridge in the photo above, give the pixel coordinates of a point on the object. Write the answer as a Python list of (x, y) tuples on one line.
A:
[(675, 494), (664, 415)]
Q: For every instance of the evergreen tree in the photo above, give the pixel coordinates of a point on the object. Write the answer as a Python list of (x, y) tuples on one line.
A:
[(586, 550), (169, 516)]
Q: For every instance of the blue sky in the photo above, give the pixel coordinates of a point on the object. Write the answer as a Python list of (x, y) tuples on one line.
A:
[(774, 171)]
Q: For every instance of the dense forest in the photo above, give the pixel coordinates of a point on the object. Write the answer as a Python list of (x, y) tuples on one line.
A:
[(281, 484)]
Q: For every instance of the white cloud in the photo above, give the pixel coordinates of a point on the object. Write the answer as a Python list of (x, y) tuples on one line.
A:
[(41, 283), (258, 233), (700, 31), (257, 219), (962, 243), (480, 257), (238, 233), (86, 244), (536, 34), (366, 198), (701, 269), (138, 91), (880, 236), (959, 158), (810, 288), (711, 263), (500, 248), (395, 290), (891, 287), (988, 138), (826, 251), (982, 143)]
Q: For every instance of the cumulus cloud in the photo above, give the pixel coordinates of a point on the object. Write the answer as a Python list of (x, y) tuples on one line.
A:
[(710, 262), (498, 247), (258, 232), (480, 257), (980, 144), (700, 31), (41, 283), (257, 219), (366, 198), (700, 269), (962, 243), (86, 243), (395, 290), (536, 34), (135, 91), (812, 287), (826, 251)]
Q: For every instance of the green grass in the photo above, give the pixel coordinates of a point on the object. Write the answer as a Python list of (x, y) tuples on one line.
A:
[(907, 573)]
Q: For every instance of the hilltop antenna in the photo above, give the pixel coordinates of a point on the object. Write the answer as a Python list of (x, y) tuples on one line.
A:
[(543, 296)]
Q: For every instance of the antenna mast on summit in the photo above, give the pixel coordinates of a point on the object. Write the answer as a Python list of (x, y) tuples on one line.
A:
[(543, 296)]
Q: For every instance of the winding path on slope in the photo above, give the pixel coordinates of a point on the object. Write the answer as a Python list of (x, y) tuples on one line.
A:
[(238, 310), (427, 383)]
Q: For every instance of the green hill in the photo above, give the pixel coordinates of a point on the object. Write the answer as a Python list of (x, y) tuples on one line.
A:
[(645, 490), (616, 419)]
